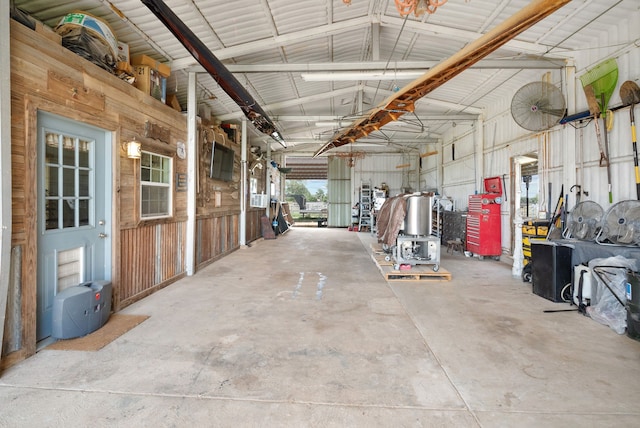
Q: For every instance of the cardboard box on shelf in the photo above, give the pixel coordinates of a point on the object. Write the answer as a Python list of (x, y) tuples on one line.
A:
[(172, 100), (149, 81), (163, 69), (125, 67), (123, 53), (125, 72)]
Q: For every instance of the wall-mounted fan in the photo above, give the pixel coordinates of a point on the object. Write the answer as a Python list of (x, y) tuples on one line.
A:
[(621, 224), (538, 106), (583, 222)]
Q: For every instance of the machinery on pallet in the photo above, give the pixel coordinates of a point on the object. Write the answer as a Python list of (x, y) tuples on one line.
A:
[(415, 244)]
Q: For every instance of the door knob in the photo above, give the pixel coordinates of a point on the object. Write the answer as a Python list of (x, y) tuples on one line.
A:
[(102, 235)]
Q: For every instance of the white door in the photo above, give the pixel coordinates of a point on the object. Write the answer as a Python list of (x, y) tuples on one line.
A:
[(74, 210)]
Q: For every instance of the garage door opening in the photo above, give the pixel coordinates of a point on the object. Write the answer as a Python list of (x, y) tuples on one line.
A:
[(307, 191)]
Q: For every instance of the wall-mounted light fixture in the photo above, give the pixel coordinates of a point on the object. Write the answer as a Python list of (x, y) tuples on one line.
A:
[(133, 149)]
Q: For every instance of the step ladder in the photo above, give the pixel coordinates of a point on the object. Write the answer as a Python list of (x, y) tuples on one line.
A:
[(365, 206)]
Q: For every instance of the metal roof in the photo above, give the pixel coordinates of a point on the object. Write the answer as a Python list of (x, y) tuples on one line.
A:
[(270, 44)]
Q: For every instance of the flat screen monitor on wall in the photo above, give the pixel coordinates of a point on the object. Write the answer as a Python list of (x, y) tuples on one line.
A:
[(222, 163)]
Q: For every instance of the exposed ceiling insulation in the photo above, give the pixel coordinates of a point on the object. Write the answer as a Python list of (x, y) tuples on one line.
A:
[(304, 62), (306, 168)]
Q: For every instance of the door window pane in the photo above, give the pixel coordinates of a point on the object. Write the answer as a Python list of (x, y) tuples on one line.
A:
[(51, 147), (83, 153), (51, 214), (83, 213), (51, 181), (69, 213), (69, 182), (68, 151), (83, 183)]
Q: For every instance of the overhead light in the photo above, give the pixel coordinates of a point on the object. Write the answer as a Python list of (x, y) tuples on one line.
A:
[(276, 136), (334, 124), (372, 75)]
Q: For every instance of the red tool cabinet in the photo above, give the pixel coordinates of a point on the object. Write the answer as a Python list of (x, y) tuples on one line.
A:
[(484, 236)]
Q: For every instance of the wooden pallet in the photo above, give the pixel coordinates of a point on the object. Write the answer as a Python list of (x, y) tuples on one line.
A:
[(422, 273), (376, 248), (380, 260), (427, 275)]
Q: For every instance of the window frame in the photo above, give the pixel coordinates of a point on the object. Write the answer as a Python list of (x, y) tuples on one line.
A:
[(155, 184)]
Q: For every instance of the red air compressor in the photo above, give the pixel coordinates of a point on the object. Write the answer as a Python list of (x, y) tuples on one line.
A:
[(484, 236)]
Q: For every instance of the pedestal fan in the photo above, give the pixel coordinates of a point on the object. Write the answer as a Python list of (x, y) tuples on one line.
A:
[(621, 224), (583, 221)]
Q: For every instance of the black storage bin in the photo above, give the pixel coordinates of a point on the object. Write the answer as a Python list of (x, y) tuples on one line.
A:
[(551, 269)]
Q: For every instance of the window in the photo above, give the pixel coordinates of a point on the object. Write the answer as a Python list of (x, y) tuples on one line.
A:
[(68, 181), (155, 184)]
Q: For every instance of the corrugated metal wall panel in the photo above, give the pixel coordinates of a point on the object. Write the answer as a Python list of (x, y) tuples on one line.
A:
[(431, 167), (338, 193), (378, 169), (504, 141)]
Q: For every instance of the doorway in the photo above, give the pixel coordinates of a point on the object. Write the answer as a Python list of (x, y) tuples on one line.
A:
[(527, 170), (74, 210)]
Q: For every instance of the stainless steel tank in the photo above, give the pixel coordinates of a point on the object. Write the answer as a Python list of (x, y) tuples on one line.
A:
[(417, 221)]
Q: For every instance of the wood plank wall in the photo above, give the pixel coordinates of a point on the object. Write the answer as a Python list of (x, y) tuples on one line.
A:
[(215, 237), (253, 230), (151, 255), (146, 255)]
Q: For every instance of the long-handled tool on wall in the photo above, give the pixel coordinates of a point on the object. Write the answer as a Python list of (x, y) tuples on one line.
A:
[(556, 226), (630, 95), (603, 114), (594, 109), (599, 84)]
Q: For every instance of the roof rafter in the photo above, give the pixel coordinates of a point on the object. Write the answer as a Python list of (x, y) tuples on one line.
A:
[(404, 101), (520, 63), (270, 43), (346, 26)]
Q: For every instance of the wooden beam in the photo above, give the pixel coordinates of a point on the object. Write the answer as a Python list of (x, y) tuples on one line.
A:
[(534, 12), (427, 154)]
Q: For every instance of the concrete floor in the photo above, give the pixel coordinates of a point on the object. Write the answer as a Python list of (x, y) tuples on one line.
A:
[(304, 331)]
